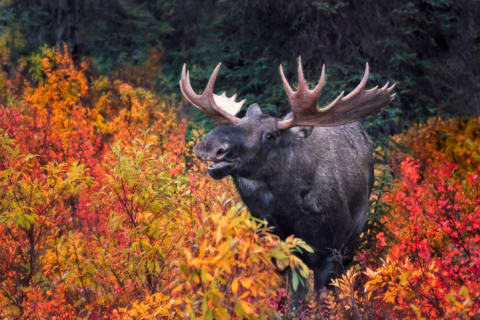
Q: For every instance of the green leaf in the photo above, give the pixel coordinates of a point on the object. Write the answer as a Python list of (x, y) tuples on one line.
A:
[(308, 248), (295, 280)]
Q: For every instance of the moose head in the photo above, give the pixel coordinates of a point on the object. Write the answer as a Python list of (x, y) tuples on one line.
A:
[(238, 148)]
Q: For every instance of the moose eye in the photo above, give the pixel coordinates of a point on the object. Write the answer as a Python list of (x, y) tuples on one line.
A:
[(269, 136)]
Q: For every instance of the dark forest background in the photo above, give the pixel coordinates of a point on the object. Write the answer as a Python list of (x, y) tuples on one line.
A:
[(430, 48)]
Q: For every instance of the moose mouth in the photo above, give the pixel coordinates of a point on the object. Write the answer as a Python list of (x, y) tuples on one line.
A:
[(220, 169)]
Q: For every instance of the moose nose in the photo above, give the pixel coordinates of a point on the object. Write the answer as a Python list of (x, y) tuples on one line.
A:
[(199, 152)]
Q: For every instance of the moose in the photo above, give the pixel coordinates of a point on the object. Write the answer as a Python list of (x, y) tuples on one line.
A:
[(309, 174)]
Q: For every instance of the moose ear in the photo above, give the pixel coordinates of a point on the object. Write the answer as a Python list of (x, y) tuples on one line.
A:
[(288, 116), (253, 111), (301, 132), (298, 132)]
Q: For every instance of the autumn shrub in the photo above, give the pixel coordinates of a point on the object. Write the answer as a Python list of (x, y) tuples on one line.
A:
[(441, 142), (104, 213), (430, 251)]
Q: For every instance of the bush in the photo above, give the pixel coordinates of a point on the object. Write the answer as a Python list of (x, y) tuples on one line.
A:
[(425, 265), (101, 219)]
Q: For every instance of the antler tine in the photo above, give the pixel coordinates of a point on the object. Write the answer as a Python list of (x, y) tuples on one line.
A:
[(321, 83), (334, 102), (342, 110), (206, 101), (209, 88), (286, 85), (185, 87), (303, 89), (302, 83), (361, 85), (354, 92)]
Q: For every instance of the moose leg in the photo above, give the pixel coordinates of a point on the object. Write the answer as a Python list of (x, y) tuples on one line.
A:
[(323, 274)]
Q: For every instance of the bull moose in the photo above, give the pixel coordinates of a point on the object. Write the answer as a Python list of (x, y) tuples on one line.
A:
[(308, 174)]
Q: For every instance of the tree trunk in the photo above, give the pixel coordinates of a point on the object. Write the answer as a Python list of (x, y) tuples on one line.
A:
[(68, 15)]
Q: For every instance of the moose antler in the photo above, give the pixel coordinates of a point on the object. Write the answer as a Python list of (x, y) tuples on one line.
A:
[(356, 105), (220, 108)]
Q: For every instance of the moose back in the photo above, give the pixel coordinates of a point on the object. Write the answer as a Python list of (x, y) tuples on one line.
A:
[(309, 174)]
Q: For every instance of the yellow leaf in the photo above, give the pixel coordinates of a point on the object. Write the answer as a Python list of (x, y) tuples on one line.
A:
[(246, 283), (235, 285), (464, 292), (404, 279), (218, 235), (188, 255), (246, 307)]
